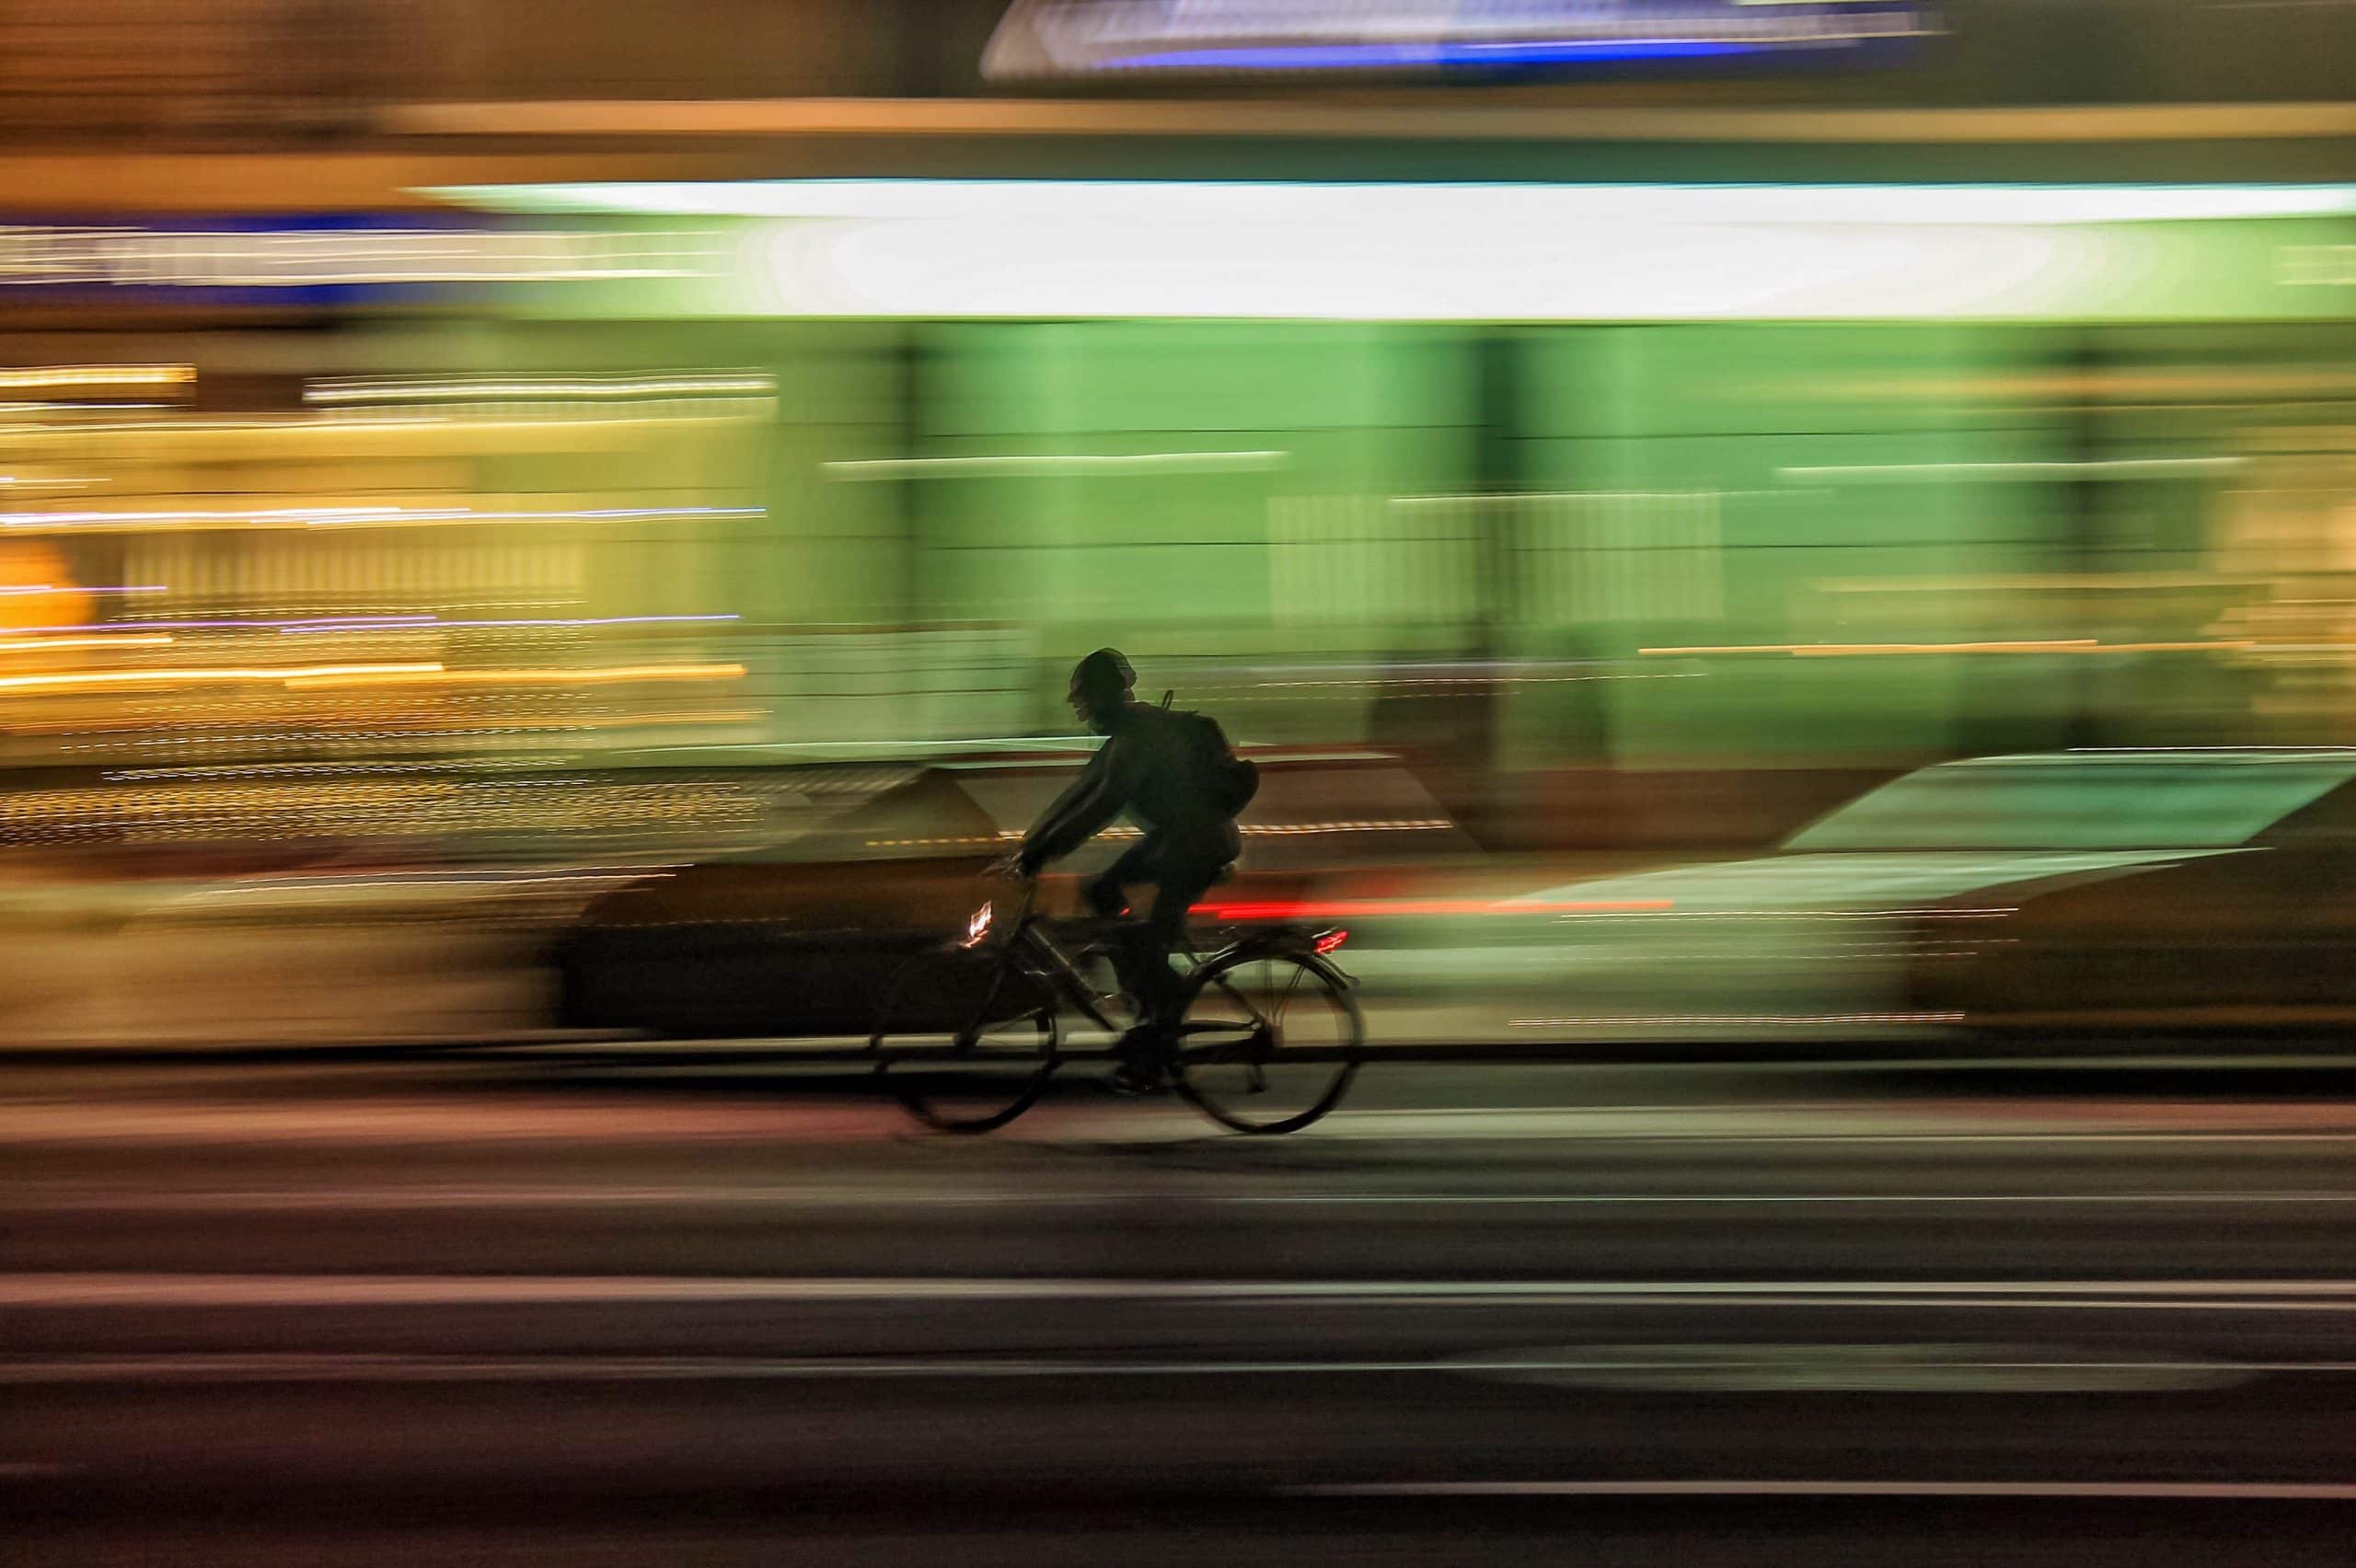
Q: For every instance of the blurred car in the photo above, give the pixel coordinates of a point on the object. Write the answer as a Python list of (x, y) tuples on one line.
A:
[(2191, 890), (799, 939)]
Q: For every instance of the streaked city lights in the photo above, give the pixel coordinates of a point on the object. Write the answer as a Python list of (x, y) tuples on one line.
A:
[(121, 639), (1534, 210), (1060, 39), (535, 389), (435, 623), (67, 377), (292, 677), (345, 677), (50, 590), (1031, 466), (1291, 250), (346, 517), (42, 257)]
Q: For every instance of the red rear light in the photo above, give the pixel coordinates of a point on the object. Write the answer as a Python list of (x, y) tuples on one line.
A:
[(1328, 941)]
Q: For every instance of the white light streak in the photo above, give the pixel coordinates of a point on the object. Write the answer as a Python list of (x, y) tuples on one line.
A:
[(538, 387), (353, 517), (1029, 466), (1065, 250), (2103, 469), (1487, 207)]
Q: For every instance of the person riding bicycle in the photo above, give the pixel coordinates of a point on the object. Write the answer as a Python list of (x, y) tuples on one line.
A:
[(1175, 775)]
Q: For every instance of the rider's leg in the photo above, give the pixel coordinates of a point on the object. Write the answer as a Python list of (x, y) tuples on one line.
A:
[(1186, 874), (1108, 891), (1108, 894)]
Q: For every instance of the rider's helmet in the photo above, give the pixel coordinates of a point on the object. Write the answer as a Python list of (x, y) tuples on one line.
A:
[(1100, 685)]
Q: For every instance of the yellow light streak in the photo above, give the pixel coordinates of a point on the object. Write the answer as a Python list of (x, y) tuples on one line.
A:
[(541, 388), (352, 516), (1826, 650), (1865, 650), (52, 375), (288, 673), (435, 676), (42, 644)]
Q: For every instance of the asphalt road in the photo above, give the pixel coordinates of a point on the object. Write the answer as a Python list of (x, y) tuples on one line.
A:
[(585, 1306)]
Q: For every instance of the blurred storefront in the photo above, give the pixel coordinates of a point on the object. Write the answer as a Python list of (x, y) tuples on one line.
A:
[(482, 397)]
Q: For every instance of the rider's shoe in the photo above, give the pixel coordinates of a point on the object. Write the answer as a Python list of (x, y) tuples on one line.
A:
[(1141, 1070), (1138, 1078)]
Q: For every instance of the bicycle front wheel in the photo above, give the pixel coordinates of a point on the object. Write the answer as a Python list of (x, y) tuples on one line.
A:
[(965, 1040), (1269, 1042)]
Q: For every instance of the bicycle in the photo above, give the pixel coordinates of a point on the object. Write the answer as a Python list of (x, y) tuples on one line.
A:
[(969, 1033)]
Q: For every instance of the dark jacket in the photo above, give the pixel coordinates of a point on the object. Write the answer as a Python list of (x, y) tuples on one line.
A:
[(1149, 767)]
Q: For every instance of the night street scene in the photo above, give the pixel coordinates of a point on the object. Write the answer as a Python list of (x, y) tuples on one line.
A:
[(1072, 782)]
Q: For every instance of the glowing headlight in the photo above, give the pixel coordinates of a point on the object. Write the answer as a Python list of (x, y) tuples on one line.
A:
[(978, 926)]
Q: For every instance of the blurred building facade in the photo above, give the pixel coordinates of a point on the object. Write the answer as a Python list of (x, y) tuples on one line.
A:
[(325, 450), (271, 72)]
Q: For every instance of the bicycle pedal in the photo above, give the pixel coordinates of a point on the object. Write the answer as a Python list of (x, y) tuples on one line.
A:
[(1124, 1081)]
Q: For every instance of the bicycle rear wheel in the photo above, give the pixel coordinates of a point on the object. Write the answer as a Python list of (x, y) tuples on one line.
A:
[(965, 1040), (1269, 1042)]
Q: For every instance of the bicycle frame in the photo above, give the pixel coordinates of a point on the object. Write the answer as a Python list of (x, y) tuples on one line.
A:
[(1043, 959), (1029, 948), (1032, 950)]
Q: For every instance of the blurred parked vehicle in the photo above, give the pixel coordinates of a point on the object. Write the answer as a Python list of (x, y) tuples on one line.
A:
[(2192, 890), (797, 940)]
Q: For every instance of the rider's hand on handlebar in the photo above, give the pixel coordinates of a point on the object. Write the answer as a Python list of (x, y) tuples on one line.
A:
[(1012, 868)]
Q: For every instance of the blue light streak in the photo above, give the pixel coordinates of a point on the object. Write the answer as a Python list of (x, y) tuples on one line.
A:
[(1377, 56)]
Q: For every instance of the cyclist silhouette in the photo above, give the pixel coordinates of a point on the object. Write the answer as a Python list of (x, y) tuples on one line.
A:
[(1175, 775)]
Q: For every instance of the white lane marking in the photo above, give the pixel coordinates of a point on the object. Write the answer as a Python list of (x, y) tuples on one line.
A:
[(847, 1127), (2242, 1490), (419, 1121), (366, 1367), (1438, 1129), (461, 1196), (1570, 1135), (2236, 1199), (96, 1289), (1848, 1367)]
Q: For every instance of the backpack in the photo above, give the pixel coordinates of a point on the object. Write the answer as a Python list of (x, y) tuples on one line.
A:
[(1229, 781)]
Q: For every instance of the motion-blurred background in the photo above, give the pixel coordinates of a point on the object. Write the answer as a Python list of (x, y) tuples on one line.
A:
[(1790, 569), (485, 433)]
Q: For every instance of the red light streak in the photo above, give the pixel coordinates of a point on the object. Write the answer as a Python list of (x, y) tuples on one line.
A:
[(1361, 908)]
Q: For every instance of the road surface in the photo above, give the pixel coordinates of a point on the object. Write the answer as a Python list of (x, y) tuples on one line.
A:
[(587, 1306)]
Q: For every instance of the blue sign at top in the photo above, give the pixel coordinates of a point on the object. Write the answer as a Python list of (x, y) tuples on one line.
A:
[(1092, 38)]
